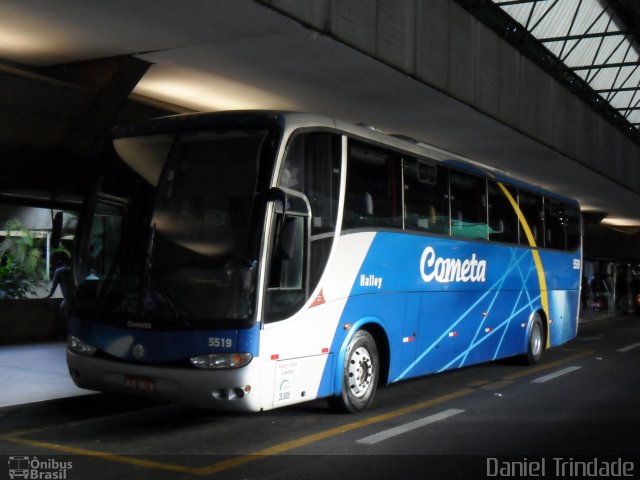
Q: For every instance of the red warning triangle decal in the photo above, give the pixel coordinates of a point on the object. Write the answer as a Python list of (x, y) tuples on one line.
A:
[(319, 300)]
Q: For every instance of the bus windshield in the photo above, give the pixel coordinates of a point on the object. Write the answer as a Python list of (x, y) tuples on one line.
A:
[(190, 255)]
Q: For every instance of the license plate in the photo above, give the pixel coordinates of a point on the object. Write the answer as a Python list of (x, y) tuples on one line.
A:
[(140, 383)]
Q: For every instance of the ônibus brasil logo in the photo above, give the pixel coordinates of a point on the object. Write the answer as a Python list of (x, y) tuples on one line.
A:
[(445, 270), (33, 468)]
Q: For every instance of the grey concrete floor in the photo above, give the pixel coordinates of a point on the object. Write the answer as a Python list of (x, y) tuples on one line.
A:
[(34, 373), (38, 372)]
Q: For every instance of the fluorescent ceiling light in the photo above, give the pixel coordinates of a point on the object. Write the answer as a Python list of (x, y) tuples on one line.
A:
[(29, 46), (206, 92), (621, 222)]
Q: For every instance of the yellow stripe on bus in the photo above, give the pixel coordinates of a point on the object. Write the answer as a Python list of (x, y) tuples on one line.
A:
[(542, 281)]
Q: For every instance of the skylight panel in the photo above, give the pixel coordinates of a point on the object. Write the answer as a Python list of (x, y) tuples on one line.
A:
[(588, 39), (621, 100), (634, 117)]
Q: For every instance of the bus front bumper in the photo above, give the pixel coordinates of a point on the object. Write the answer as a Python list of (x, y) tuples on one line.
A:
[(231, 389)]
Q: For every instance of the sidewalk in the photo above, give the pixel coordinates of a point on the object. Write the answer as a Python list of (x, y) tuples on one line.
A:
[(34, 373), (588, 316)]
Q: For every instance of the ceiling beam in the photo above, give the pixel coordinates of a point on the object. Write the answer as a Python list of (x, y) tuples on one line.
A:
[(112, 81), (584, 35), (599, 66)]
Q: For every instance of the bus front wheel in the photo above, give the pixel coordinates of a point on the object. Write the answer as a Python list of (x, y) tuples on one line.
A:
[(535, 343), (360, 374)]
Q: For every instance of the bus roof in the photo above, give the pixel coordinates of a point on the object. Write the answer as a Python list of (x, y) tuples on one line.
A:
[(290, 121)]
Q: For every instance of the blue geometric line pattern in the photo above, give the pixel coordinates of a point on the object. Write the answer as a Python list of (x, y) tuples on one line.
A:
[(515, 304), (495, 290), (504, 333), (504, 324), (484, 318)]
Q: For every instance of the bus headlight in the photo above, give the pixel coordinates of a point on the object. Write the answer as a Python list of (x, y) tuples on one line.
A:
[(221, 360), (80, 346)]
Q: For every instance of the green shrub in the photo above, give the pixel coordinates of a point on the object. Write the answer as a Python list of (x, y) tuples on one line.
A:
[(21, 262)]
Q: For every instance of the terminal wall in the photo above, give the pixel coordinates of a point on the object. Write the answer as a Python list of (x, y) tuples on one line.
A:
[(29, 319), (441, 44)]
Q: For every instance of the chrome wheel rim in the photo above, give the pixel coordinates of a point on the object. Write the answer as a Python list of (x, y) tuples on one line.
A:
[(536, 339), (360, 372)]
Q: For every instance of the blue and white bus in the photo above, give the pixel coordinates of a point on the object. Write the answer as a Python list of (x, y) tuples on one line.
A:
[(251, 260)]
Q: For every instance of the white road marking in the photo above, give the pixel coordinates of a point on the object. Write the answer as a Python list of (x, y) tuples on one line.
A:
[(629, 347), (553, 375), (407, 427)]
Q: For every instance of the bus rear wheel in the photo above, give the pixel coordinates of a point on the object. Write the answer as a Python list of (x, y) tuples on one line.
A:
[(360, 374), (535, 343)]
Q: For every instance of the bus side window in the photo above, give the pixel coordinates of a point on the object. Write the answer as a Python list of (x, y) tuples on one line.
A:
[(312, 166), (468, 206), (574, 233), (562, 224), (531, 207), (555, 224), (426, 196), (374, 195), (503, 220)]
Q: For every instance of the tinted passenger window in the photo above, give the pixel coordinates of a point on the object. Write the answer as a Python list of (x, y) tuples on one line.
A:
[(468, 206), (374, 196), (503, 220), (562, 225), (532, 209), (426, 196), (312, 166), (574, 227)]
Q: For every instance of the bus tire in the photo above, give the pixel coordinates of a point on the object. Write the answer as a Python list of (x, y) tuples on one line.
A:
[(360, 374), (535, 342)]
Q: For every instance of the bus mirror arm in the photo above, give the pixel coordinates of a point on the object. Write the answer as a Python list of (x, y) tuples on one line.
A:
[(285, 233), (286, 230), (278, 196), (289, 201)]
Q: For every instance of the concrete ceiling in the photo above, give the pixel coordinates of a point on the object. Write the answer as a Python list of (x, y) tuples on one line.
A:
[(216, 55)]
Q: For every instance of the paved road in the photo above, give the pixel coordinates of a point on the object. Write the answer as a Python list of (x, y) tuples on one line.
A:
[(580, 406)]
